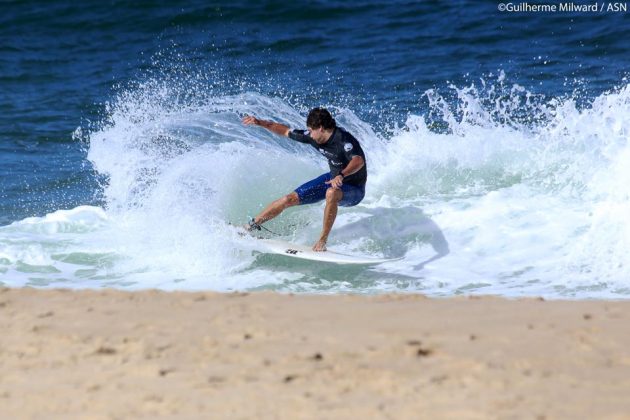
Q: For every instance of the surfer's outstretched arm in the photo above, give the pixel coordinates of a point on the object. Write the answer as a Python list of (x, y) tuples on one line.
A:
[(274, 127)]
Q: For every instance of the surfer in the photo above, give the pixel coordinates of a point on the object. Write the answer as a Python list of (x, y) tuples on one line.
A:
[(344, 185)]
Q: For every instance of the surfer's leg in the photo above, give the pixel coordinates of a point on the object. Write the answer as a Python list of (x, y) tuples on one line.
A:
[(277, 207), (333, 197)]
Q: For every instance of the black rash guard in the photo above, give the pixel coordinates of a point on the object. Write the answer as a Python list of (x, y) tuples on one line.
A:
[(340, 148)]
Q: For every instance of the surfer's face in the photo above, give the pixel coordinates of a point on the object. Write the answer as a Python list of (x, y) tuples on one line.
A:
[(320, 135)]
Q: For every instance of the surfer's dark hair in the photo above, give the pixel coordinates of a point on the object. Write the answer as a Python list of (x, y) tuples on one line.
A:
[(320, 117)]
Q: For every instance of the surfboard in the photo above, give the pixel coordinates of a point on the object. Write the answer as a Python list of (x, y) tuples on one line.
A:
[(288, 249)]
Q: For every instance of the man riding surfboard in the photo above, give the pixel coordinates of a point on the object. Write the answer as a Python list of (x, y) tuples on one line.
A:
[(344, 185)]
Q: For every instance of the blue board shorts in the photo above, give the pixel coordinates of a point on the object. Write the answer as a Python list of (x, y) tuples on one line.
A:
[(315, 190)]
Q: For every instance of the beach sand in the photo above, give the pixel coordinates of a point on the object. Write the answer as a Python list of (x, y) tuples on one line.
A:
[(152, 354)]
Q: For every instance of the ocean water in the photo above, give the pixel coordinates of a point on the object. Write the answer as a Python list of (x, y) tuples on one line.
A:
[(497, 145)]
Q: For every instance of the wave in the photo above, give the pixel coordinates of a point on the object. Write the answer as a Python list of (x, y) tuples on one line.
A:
[(493, 190)]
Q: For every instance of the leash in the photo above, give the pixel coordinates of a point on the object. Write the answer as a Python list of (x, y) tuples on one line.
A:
[(257, 226)]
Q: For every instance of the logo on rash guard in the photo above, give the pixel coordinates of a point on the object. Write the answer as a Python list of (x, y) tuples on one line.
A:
[(347, 147), (326, 153)]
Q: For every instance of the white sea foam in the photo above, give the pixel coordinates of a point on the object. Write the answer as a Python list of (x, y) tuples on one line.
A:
[(512, 194)]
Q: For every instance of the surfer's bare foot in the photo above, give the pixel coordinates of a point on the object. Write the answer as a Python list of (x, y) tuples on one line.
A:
[(320, 246), (252, 225)]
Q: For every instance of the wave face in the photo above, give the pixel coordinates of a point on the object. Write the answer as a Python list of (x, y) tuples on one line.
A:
[(499, 191)]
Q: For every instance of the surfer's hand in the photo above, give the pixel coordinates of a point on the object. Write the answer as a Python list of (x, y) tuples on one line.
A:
[(336, 182), (249, 120), (320, 246)]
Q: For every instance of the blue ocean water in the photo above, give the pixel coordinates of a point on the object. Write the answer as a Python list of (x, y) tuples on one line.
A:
[(496, 142)]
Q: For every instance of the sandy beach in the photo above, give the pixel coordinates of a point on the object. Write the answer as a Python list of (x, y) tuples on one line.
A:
[(152, 354)]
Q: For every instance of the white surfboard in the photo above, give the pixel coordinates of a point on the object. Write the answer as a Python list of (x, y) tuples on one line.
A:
[(306, 253)]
